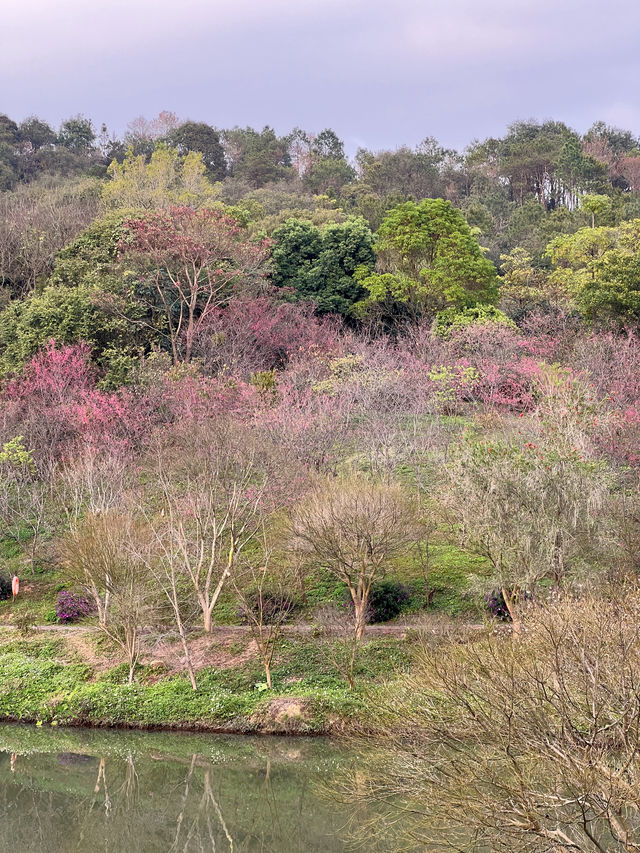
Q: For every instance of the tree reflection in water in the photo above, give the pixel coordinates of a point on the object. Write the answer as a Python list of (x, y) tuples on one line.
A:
[(148, 793)]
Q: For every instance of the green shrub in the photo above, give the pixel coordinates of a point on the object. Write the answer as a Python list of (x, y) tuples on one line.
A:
[(451, 319), (387, 600), (5, 586)]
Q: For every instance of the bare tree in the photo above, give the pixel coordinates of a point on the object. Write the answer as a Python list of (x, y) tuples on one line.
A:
[(528, 743), (91, 482), (263, 591), (339, 643), (212, 492), (109, 556), (354, 528), (36, 222)]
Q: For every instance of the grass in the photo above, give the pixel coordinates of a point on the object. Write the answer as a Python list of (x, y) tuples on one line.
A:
[(43, 681), (450, 573)]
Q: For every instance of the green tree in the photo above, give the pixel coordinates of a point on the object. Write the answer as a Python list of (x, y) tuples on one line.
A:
[(69, 315), (523, 286), (327, 169), (9, 162), (428, 259), (319, 264), (77, 134), (598, 207), (203, 139), (256, 157), (599, 268), (404, 173), (37, 133), (167, 179)]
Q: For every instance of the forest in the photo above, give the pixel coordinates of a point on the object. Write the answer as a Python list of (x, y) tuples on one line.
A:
[(302, 442)]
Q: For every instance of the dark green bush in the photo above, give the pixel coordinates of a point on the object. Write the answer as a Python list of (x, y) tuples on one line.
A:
[(5, 587), (276, 606), (387, 600)]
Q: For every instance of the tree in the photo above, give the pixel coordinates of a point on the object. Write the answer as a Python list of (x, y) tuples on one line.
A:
[(212, 498), (326, 169), (192, 261), (319, 264), (523, 286), (105, 554), (23, 498), (428, 259), (36, 133), (36, 222), (531, 510), (249, 336), (521, 743), (353, 529), (142, 135), (71, 315), (203, 139), (404, 173), (167, 179), (55, 405), (533, 157), (9, 153), (263, 591), (599, 206), (598, 267), (77, 134), (257, 157), (328, 175)]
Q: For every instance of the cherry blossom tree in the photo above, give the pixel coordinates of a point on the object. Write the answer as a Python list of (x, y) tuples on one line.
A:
[(192, 261)]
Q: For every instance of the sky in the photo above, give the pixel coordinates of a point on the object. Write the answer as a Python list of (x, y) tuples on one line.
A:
[(381, 73)]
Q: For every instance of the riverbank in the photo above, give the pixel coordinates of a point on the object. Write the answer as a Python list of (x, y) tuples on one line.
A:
[(68, 679)]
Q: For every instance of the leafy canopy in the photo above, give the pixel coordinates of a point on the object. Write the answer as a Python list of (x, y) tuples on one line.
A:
[(428, 259), (319, 264)]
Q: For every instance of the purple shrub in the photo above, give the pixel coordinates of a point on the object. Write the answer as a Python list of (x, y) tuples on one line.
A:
[(496, 605), (72, 607)]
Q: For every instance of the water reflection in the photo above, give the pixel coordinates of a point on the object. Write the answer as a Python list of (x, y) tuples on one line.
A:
[(66, 791)]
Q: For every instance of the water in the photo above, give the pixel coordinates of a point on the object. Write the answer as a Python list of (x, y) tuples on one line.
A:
[(87, 791)]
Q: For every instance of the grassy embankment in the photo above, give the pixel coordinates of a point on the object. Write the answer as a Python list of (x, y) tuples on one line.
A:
[(72, 676)]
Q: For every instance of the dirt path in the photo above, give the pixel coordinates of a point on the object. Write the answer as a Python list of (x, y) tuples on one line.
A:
[(224, 632)]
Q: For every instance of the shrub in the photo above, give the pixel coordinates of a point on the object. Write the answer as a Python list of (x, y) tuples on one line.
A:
[(72, 607), (451, 319), (387, 600), (276, 606), (25, 621), (496, 605), (5, 587)]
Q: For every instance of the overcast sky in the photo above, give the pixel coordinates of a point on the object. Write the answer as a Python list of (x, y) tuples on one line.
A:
[(380, 72)]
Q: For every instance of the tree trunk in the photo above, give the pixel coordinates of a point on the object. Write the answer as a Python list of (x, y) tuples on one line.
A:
[(509, 600), (360, 608), (187, 654), (206, 621)]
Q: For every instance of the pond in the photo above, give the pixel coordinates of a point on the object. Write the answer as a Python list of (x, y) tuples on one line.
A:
[(94, 791)]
